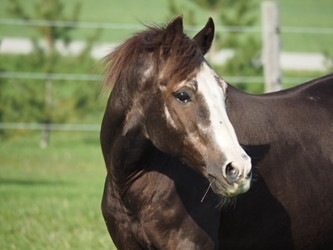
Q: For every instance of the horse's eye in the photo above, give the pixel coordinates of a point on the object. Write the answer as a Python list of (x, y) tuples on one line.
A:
[(182, 97)]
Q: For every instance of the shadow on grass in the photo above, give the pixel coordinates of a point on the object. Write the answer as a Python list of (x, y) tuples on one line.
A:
[(22, 182)]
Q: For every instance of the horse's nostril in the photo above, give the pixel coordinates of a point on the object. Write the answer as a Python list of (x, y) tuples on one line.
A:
[(231, 173)]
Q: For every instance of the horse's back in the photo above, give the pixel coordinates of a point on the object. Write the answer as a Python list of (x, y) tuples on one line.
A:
[(289, 135)]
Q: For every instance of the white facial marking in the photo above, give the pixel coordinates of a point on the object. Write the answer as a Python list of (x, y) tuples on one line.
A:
[(220, 127), (147, 73), (169, 117), (186, 84)]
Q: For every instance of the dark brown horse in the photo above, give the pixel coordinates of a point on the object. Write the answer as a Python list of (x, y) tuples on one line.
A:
[(167, 112), (154, 201)]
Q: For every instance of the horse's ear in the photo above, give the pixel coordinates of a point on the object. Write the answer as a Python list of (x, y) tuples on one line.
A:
[(205, 37), (173, 30)]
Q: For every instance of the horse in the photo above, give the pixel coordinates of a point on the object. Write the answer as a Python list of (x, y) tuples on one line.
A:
[(288, 135), (169, 148)]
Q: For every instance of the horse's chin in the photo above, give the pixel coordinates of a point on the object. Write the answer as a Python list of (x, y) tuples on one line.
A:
[(228, 190)]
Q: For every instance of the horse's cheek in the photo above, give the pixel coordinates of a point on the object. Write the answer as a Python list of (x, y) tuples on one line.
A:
[(155, 128)]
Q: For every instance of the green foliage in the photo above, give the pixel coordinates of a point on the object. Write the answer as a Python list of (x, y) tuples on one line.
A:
[(47, 10), (237, 13), (211, 5), (22, 100), (43, 106), (246, 60), (175, 10)]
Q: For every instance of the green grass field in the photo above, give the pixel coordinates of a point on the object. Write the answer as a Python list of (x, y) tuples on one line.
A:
[(300, 13), (50, 199)]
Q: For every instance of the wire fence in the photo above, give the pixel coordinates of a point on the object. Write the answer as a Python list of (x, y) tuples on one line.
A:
[(87, 77), (52, 127), (96, 77), (50, 76), (122, 26)]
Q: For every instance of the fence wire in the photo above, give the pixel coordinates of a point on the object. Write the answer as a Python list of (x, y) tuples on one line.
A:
[(122, 26), (50, 76), (95, 77), (53, 127), (88, 77)]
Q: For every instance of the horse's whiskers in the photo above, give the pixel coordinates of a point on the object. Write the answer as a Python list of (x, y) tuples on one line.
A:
[(206, 192)]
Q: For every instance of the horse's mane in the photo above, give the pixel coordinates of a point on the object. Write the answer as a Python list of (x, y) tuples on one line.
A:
[(185, 53)]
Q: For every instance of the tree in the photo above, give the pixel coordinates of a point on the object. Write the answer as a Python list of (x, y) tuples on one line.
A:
[(174, 11), (46, 57)]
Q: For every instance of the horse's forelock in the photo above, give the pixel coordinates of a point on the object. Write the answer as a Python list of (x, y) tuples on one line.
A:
[(182, 58), (122, 58)]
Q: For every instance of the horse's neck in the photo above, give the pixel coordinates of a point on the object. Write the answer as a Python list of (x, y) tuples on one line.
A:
[(126, 156), (255, 118), (250, 116), (274, 122), (264, 118), (242, 112)]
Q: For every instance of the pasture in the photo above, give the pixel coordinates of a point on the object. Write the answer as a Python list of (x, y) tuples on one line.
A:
[(50, 199)]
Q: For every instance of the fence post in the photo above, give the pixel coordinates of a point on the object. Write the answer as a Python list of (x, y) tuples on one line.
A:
[(271, 46)]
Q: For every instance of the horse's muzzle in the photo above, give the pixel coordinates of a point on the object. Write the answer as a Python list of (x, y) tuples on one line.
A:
[(233, 181)]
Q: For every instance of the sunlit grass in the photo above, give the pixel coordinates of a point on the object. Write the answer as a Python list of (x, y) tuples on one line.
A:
[(50, 199)]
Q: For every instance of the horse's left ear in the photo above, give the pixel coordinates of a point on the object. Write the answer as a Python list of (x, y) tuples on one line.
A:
[(205, 37)]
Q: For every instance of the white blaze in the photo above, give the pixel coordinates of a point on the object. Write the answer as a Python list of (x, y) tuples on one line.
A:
[(220, 127), (169, 117)]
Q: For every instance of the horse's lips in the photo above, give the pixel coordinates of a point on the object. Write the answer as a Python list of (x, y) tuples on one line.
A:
[(226, 190)]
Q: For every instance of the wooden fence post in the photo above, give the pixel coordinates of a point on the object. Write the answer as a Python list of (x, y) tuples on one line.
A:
[(271, 46)]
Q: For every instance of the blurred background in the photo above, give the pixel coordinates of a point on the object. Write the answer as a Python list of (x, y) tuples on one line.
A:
[(51, 168)]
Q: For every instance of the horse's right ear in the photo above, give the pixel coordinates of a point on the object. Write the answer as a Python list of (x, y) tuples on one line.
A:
[(174, 29), (205, 37)]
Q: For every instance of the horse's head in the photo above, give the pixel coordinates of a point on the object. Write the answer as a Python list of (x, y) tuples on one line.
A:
[(178, 102)]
